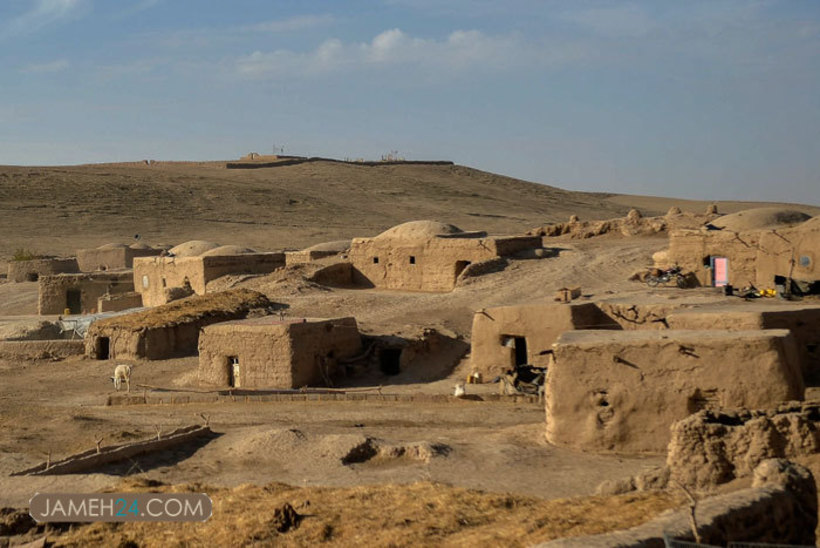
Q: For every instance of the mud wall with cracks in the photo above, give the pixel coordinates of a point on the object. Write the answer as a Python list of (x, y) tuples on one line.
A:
[(622, 390), (781, 507)]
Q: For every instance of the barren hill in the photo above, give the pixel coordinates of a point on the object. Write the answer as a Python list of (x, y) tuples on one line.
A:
[(59, 209)]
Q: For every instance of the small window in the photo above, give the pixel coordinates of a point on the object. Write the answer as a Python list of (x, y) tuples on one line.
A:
[(375, 260), (164, 283), (412, 260), (145, 282), (805, 261)]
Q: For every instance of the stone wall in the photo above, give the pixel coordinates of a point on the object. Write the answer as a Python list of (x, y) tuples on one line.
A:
[(30, 271), (622, 390)]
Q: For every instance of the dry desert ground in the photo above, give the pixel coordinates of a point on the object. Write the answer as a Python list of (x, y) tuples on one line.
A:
[(484, 475)]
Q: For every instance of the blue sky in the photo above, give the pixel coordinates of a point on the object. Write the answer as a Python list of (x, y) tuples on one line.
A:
[(714, 99)]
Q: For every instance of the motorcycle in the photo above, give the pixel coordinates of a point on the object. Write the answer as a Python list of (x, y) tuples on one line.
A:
[(653, 279)]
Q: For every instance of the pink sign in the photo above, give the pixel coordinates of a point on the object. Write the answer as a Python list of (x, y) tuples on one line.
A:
[(721, 270)]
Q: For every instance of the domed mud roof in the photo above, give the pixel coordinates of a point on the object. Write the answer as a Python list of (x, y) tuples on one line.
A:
[(419, 230), (112, 246), (228, 250), (193, 248), (759, 218), (140, 245), (338, 246)]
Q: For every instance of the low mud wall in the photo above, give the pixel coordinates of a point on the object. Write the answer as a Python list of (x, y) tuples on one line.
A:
[(781, 507), (247, 396), (92, 459), (41, 350)]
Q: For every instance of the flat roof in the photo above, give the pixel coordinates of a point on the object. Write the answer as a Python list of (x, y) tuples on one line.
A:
[(598, 336)]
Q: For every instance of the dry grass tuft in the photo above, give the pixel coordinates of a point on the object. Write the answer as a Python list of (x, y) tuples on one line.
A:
[(419, 514), (225, 303)]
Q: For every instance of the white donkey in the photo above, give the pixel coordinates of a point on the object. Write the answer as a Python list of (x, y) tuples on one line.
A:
[(122, 373)]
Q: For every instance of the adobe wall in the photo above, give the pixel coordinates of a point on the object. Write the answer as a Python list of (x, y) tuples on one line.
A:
[(30, 271), (161, 343), (40, 350), (710, 448), (264, 356), (779, 509), (306, 256), (540, 324), (436, 265), (505, 247), (334, 275), (631, 316), (691, 248), (156, 343), (119, 301), (152, 275), (778, 250), (802, 321), (123, 343), (316, 345), (621, 390), (114, 258), (276, 354), (53, 290), (255, 263)]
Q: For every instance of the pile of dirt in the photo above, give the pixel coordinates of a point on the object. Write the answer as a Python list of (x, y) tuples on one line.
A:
[(711, 448), (327, 450), (634, 224), (292, 280), (419, 514)]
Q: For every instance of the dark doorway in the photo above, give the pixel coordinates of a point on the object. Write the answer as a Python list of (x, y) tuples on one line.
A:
[(390, 360), (520, 350), (460, 266), (103, 348), (32, 277), (74, 301)]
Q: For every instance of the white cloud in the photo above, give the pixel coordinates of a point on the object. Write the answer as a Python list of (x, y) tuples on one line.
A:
[(39, 68), (292, 24), (461, 50), (43, 14)]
